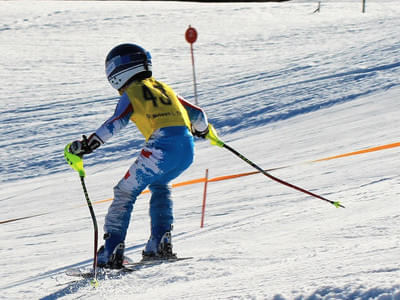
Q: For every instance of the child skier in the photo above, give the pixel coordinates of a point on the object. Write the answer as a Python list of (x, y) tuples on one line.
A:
[(167, 122)]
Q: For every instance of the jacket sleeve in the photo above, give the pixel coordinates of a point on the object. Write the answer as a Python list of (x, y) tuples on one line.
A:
[(197, 116), (117, 121)]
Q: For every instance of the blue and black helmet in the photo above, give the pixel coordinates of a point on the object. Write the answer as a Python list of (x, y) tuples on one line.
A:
[(125, 61)]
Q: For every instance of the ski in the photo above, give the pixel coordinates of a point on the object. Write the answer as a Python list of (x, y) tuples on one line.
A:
[(130, 267), (103, 273)]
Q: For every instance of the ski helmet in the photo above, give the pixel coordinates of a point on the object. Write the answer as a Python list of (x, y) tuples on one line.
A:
[(125, 61)]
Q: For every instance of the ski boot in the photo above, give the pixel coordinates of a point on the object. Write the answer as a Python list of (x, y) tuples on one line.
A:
[(163, 250), (111, 254)]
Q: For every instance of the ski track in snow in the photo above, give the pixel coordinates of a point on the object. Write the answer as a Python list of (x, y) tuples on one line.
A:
[(283, 86)]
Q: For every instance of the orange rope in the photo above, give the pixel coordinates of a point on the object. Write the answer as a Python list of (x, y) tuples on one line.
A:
[(388, 146), (226, 177)]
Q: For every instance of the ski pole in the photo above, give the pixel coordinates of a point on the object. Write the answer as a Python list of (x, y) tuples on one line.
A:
[(76, 163), (215, 140)]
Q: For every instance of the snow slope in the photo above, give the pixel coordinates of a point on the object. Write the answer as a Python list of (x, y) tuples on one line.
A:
[(283, 86)]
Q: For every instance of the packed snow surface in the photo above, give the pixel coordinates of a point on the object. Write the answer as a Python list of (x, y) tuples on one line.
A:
[(282, 85)]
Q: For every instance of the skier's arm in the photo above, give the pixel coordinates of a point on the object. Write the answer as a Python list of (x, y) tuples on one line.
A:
[(197, 116), (117, 121)]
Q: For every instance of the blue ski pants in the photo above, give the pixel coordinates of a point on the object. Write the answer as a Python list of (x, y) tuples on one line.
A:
[(165, 156)]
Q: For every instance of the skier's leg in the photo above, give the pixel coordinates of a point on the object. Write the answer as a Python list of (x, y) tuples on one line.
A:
[(161, 209), (161, 215), (161, 206), (117, 220)]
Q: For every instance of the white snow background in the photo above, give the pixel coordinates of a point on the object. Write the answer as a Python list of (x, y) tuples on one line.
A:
[(282, 85)]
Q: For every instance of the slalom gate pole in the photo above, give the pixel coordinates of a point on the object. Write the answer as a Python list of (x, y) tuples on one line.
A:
[(76, 163), (203, 208), (191, 37), (214, 139)]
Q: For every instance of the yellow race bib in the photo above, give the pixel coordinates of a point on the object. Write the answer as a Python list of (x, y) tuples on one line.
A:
[(155, 106)]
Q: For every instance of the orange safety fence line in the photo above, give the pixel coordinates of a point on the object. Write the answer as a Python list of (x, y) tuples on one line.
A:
[(174, 185), (378, 148), (193, 181), (226, 177), (220, 178), (23, 218)]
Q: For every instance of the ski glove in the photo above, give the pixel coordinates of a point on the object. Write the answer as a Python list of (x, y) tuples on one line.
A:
[(200, 134), (86, 145)]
